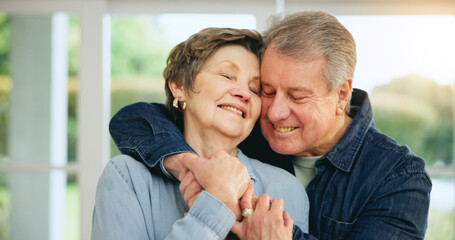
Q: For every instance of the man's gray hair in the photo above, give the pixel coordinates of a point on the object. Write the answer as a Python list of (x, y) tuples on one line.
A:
[(307, 35)]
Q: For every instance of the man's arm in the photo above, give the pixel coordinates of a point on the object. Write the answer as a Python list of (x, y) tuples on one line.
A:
[(399, 210), (145, 132), (298, 234)]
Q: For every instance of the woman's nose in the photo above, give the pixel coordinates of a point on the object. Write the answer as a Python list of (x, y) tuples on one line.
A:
[(241, 92)]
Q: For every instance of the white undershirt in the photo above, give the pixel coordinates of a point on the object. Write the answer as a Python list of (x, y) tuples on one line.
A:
[(304, 169)]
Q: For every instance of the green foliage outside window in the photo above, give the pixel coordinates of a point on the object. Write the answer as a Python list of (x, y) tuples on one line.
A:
[(138, 47), (417, 112), (4, 43)]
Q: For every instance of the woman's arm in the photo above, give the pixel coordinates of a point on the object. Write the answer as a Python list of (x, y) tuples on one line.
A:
[(128, 196), (208, 218)]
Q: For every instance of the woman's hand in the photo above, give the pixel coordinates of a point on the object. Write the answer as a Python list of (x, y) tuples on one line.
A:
[(269, 220), (221, 175), (189, 186)]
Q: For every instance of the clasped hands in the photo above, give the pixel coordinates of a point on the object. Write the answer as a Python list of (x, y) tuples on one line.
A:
[(227, 179)]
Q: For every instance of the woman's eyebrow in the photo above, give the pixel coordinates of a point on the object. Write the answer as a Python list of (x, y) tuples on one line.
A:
[(230, 64)]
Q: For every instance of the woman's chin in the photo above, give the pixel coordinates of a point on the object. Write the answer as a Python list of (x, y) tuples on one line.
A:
[(235, 135)]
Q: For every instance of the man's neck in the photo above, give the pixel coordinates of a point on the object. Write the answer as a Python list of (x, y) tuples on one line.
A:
[(343, 125), (340, 127)]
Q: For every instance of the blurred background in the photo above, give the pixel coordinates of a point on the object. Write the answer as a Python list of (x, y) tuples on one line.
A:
[(67, 66)]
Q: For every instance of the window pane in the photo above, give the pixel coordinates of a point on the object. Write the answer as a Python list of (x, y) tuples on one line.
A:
[(33, 123), (33, 204), (5, 206), (72, 209), (5, 83)]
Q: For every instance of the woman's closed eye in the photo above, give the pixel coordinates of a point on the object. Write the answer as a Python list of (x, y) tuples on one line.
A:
[(227, 76), (255, 90), (255, 87)]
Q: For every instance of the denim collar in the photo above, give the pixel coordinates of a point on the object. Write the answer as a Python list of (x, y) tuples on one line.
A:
[(343, 154)]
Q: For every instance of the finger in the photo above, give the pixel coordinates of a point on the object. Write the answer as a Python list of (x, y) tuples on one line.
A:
[(263, 203), (172, 164), (185, 182), (288, 221), (187, 155), (277, 206), (254, 201), (193, 164), (246, 200), (183, 173), (191, 191), (191, 201), (237, 228)]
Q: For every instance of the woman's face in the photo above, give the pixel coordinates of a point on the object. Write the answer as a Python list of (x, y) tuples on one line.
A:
[(226, 97)]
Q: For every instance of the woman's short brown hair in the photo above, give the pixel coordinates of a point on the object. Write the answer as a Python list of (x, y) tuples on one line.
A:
[(187, 58)]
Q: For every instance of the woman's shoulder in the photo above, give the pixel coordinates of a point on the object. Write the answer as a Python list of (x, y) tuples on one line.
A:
[(125, 163), (127, 169)]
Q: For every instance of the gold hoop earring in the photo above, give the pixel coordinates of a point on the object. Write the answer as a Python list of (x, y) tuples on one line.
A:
[(183, 107), (175, 104)]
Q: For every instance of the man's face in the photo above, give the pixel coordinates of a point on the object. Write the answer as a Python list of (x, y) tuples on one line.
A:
[(298, 115)]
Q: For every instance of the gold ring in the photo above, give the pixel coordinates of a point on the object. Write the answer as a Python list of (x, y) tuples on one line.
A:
[(246, 212)]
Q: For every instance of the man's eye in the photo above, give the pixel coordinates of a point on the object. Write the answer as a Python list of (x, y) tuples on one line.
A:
[(267, 94), (295, 98), (226, 76)]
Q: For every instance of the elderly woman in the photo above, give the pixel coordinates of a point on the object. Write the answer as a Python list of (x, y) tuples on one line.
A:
[(212, 86)]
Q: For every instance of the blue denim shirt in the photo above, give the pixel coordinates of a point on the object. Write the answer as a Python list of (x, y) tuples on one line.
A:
[(366, 187), (131, 203)]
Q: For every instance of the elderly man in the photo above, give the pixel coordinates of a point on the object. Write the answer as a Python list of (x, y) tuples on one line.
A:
[(361, 183)]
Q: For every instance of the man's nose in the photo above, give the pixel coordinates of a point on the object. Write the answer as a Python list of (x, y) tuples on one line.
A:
[(278, 109)]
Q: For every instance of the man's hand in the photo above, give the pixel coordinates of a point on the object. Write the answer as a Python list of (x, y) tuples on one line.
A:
[(269, 220), (221, 175), (172, 163)]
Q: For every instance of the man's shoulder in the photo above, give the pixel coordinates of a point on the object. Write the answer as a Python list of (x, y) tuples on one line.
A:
[(389, 153)]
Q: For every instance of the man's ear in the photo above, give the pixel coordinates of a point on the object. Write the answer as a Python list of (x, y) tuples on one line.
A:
[(178, 91), (344, 93)]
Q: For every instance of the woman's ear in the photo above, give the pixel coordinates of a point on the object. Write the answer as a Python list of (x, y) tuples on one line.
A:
[(344, 93), (178, 91)]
